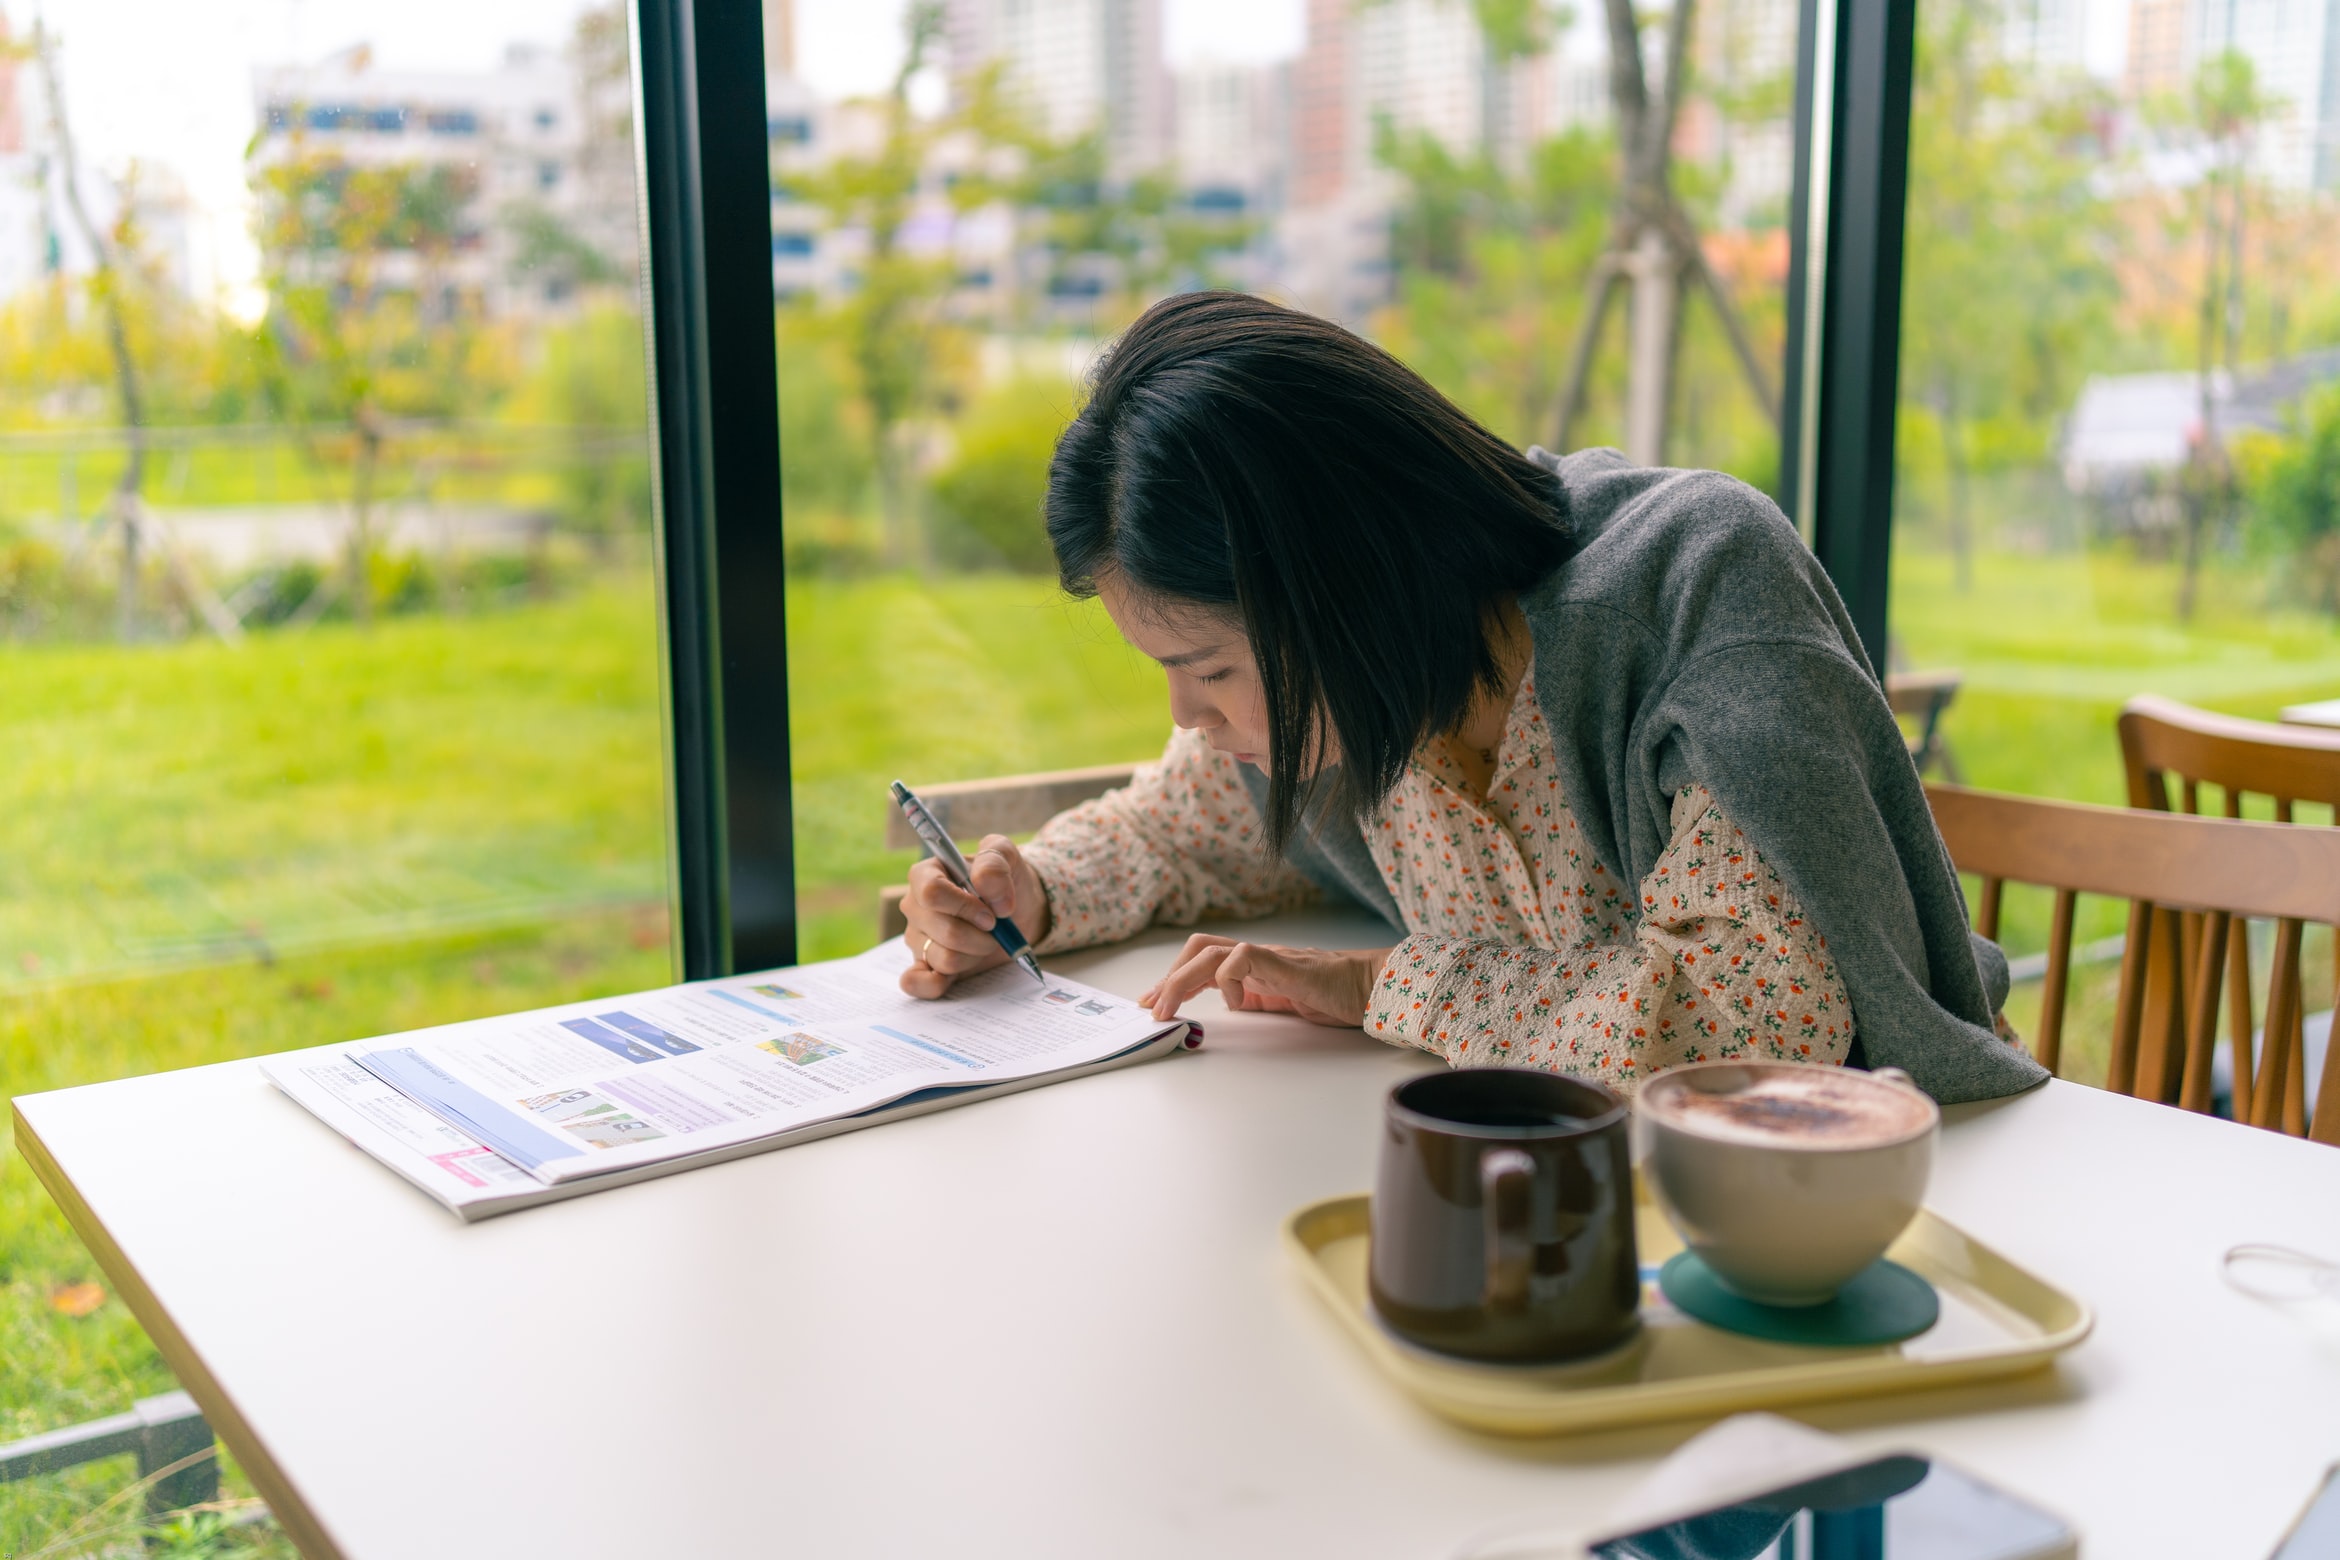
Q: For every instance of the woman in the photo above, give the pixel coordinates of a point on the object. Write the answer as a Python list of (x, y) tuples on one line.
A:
[(1600, 739)]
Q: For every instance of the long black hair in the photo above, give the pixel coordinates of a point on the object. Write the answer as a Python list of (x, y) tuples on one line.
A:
[(1247, 458)]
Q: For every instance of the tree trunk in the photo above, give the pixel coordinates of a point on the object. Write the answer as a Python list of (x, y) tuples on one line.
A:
[(1959, 483), (1655, 323), (2194, 483), (361, 521)]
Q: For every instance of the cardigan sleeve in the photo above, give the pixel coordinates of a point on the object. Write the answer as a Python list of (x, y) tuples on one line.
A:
[(1723, 963), (1181, 841)]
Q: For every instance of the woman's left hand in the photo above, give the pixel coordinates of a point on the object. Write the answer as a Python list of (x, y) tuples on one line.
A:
[(1324, 986)]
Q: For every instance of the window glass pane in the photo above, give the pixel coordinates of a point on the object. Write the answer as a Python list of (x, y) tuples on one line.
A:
[(328, 661), (969, 198), (2120, 394)]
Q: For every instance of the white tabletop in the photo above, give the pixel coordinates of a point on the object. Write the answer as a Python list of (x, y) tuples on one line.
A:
[(1060, 1324), (2324, 712)]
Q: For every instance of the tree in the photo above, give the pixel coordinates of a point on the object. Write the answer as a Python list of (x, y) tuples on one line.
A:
[(2219, 115), (900, 336), (116, 273), (363, 328), (1480, 255), (2006, 262), (1653, 245)]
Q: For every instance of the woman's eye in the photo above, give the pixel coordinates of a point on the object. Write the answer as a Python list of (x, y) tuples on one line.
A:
[(1217, 676)]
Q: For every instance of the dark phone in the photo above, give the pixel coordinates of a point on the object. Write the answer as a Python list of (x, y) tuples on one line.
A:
[(1896, 1508)]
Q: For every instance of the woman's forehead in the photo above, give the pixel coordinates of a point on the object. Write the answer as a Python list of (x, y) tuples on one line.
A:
[(1169, 630)]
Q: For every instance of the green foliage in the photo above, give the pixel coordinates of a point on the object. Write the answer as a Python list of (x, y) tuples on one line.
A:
[(986, 502), (2007, 263), (1491, 271), (2292, 481), (588, 380), (826, 461)]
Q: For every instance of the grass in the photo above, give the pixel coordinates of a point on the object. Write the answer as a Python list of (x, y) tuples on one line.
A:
[(168, 805), (931, 680), (344, 832)]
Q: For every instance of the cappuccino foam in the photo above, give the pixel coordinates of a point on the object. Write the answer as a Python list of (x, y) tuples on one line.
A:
[(1817, 1106)]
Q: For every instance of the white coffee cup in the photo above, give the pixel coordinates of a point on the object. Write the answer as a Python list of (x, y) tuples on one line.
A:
[(1786, 1178)]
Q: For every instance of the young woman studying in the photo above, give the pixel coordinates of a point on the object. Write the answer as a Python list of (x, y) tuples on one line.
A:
[(1599, 739)]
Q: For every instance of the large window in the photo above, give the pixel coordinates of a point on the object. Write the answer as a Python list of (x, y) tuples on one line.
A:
[(329, 692), (2120, 388), (969, 198)]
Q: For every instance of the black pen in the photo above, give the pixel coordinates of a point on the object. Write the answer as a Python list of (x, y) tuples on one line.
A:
[(938, 845)]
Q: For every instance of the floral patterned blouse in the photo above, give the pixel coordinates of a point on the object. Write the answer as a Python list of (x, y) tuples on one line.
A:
[(1522, 949)]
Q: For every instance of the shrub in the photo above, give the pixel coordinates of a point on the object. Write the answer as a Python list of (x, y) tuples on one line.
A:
[(2293, 484), (986, 500)]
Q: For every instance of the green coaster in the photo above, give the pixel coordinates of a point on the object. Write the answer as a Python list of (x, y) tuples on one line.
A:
[(1884, 1303)]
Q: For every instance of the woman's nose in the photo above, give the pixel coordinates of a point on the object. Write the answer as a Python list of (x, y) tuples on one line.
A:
[(1189, 713)]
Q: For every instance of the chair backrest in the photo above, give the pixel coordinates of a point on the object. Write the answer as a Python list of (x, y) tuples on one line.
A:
[(1004, 804), (2171, 752), (2164, 741), (2218, 872)]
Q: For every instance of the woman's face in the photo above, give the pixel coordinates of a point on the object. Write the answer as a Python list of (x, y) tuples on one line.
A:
[(1214, 683)]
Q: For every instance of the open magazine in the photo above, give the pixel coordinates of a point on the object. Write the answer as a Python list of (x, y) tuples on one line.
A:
[(503, 1113)]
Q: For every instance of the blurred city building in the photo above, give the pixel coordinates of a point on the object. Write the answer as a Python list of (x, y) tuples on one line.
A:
[(2293, 47), (1079, 65), (539, 149)]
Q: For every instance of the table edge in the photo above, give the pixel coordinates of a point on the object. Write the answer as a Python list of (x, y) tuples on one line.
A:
[(299, 1523)]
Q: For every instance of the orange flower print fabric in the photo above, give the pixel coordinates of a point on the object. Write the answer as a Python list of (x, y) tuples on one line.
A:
[(1523, 950), (1179, 842), (1526, 952)]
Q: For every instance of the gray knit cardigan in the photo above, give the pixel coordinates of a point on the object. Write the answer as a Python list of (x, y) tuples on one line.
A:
[(1692, 639)]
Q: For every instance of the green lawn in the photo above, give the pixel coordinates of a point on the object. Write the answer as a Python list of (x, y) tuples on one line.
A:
[(2050, 648), (340, 832)]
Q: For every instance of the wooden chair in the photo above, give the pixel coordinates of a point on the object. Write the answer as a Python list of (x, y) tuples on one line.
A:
[(1924, 697), (2172, 751), (2218, 870), (1010, 804)]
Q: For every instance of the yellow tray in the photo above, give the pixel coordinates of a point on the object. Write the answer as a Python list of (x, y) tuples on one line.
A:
[(1997, 1320)]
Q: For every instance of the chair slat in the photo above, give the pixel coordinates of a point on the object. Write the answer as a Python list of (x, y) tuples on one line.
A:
[(2161, 1035), (2238, 1015), (2267, 1102), (1986, 920), (2202, 1021), (2192, 791), (2129, 1006), (2324, 1127), (2048, 1045), (2295, 1074)]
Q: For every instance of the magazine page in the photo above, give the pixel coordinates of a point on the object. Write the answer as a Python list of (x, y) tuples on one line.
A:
[(593, 1087), (331, 1086)]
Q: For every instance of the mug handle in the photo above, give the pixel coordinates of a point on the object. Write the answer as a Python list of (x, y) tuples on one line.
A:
[(1508, 1254)]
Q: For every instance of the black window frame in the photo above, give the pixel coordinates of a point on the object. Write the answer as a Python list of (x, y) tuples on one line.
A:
[(706, 218)]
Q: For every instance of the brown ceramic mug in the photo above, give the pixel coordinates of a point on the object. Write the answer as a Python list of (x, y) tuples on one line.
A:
[(1503, 1216)]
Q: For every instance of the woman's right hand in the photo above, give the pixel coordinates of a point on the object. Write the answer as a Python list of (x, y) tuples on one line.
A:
[(950, 929)]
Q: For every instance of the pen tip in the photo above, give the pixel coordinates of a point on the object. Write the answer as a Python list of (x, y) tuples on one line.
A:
[(1031, 967)]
